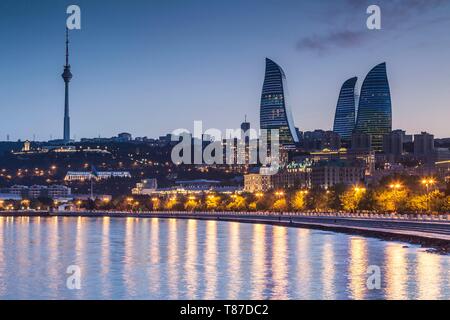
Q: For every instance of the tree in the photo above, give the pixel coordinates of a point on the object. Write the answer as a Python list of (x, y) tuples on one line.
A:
[(351, 199), (237, 203), (433, 201), (191, 205), (418, 203), (280, 205), (212, 202), (446, 204), (392, 200), (298, 201)]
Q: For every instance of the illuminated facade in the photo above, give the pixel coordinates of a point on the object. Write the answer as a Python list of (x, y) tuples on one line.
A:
[(375, 109), (275, 112), (344, 119)]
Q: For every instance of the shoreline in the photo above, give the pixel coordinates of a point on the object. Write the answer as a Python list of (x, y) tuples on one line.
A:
[(437, 241)]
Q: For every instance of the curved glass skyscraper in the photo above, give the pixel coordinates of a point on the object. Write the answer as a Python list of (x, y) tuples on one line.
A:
[(275, 112), (375, 109), (344, 119)]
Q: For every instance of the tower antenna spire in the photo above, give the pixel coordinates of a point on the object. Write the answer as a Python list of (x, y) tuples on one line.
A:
[(67, 46)]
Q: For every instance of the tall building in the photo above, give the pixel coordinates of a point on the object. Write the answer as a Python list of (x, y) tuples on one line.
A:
[(319, 139), (424, 146), (361, 142), (275, 112), (375, 109), (344, 119), (393, 144), (245, 128), (67, 76)]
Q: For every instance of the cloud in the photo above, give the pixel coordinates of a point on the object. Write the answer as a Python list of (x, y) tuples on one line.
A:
[(340, 39), (396, 14)]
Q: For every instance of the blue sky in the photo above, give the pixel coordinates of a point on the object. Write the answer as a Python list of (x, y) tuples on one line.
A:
[(148, 67)]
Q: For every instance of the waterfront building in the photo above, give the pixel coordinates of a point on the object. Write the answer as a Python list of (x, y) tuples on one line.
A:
[(326, 174), (145, 187), (275, 112), (290, 177), (345, 116), (375, 110), (256, 182), (37, 191), (101, 175)]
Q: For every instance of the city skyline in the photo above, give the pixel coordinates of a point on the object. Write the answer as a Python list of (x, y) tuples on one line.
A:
[(129, 68)]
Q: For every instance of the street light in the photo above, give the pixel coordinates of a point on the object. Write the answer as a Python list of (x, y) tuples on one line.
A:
[(395, 187), (427, 183), (359, 189), (279, 193)]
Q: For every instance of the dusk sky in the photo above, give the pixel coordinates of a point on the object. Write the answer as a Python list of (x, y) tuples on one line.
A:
[(149, 67)]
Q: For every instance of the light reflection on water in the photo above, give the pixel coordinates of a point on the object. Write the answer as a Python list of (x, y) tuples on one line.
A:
[(187, 259)]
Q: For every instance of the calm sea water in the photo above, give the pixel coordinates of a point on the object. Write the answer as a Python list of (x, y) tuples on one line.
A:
[(186, 259)]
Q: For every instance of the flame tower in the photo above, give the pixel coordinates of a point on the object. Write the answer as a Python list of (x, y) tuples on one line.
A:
[(67, 76)]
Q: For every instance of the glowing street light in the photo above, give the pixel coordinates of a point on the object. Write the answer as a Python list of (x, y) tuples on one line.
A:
[(279, 193), (359, 189), (427, 183), (395, 186)]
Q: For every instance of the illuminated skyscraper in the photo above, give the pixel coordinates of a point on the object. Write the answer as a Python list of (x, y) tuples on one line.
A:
[(275, 112), (344, 119), (375, 109)]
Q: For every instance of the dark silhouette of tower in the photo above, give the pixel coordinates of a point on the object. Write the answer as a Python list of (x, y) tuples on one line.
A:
[(67, 76)]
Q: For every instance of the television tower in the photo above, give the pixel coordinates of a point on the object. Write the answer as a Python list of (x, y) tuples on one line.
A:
[(67, 76)]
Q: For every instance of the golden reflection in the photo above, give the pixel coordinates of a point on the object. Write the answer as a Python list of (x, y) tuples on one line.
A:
[(210, 260), (3, 288), (396, 272), (280, 263), (234, 260), (358, 268), (304, 263), (80, 245), (52, 262), (259, 267), (22, 240), (129, 280), (172, 263), (191, 259), (105, 253), (429, 278), (328, 270)]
